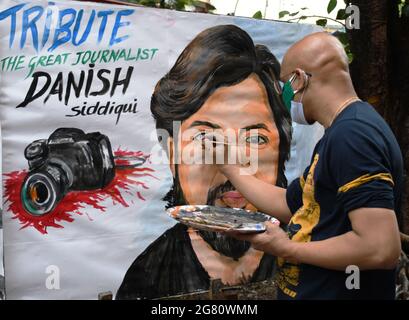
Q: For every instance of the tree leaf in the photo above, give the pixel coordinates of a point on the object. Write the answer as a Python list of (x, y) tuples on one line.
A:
[(282, 14), (305, 8), (405, 10), (147, 3), (341, 15), (180, 4), (343, 37), (258, 15), (294, 14), (321, 22), (350, 57), (302, 17), (331, 5)]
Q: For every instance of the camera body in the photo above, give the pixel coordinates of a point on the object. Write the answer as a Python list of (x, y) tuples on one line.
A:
[(69, 160)]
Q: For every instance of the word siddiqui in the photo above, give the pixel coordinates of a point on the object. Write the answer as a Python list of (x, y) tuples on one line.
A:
[(102, 109)]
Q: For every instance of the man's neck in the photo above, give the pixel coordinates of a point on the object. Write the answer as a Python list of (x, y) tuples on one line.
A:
[(325, 111)]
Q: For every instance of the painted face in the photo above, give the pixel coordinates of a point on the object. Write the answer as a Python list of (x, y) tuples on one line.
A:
[(243, 109)]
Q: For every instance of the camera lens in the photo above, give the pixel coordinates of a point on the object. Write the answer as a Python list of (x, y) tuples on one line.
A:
[(39, 193)]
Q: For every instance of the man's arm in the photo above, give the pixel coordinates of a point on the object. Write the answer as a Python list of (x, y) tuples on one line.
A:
[(265, 197), (373, 243)]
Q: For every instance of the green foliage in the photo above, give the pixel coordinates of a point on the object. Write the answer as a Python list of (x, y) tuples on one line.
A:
[(148, 3), (282, 14), (341, 15), (166, 4), (400, 6), (405, 10), (321, 22), (331, 5), (343, 37), (350, 57), (258, 15)]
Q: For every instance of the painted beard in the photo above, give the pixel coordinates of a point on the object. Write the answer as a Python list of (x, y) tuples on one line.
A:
[(225, 245)]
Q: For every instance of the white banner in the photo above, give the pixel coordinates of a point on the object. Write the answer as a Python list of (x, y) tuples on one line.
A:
[(83, 177)]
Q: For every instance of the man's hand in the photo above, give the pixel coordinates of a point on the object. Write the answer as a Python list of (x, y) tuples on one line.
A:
[(222, 153), (373, 243), (265, 197), (273, 241)]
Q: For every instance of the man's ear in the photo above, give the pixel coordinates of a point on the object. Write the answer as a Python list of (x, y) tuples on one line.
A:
[(171, 155), (300, 81)]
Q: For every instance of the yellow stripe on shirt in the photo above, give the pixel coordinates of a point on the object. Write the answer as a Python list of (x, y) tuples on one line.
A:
[(365, 179)]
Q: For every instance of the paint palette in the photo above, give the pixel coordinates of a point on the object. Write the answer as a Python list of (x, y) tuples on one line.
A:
[(211, 218)]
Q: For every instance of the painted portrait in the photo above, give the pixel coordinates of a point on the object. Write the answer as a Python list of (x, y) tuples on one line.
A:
[(221, 81)]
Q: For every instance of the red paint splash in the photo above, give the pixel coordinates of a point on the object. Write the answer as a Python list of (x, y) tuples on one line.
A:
[(75, 202)]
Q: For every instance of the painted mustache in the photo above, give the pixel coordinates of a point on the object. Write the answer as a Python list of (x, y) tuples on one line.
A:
[(228, 194)]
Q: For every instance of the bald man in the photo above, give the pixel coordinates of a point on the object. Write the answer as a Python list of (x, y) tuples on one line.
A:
[(342, 239)]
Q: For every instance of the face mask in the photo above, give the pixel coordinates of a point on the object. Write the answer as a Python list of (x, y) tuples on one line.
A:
[(296, 108), (288, 94), (297, 112)]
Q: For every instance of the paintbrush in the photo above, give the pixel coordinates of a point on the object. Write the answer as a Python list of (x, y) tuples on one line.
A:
[(219, 142)]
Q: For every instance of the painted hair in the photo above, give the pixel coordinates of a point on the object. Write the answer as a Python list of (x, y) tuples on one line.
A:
[(219, 56)]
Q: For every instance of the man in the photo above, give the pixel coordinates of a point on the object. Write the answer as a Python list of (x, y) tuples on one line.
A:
[(221, 81), (342, 211)]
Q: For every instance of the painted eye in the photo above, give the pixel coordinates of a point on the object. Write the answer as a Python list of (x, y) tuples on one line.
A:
[(199, 136), (209, 136), (256, 139)]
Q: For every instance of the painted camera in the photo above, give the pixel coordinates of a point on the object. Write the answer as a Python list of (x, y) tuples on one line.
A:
[(70, 160)]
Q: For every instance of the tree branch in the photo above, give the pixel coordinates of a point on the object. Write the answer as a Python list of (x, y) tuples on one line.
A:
[(321, 17)]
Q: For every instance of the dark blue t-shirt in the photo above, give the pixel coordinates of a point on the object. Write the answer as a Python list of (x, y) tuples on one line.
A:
[(356, 164)]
